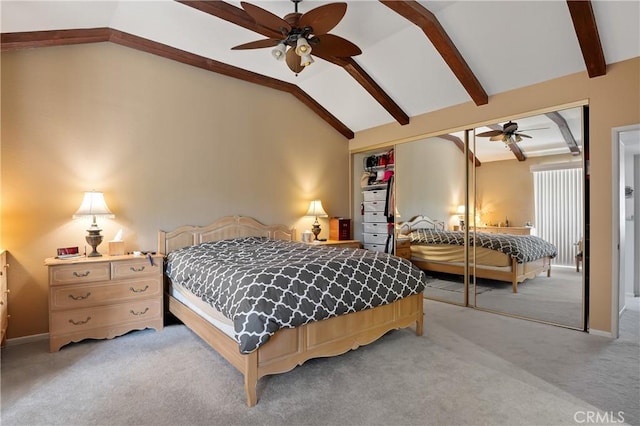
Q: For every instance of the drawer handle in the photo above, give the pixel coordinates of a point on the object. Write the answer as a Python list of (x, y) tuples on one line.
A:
[(80, 274), (139, 313), (79, 322), (142, 290), (80, 297), (140, 269)]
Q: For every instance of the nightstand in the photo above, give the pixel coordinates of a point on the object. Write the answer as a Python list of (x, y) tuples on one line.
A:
[(403, 248), (338, 243), (103, 297)]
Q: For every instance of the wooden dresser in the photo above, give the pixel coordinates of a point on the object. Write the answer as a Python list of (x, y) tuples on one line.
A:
[(403, 248), (103, 297), (513, 230), (4, 291)]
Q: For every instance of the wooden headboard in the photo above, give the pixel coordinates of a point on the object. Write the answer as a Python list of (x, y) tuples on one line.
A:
[(420, 221), (223, 228)]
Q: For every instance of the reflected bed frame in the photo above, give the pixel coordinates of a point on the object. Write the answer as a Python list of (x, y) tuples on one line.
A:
[(288, 347), (517, 273)]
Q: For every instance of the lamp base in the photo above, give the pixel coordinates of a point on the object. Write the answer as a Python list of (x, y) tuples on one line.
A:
[(94, 239), (315, 229)]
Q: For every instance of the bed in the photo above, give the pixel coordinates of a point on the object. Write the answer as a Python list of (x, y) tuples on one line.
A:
[(284, 348), (502, 257)]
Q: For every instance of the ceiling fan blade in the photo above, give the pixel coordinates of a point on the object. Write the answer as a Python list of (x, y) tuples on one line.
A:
[(266, 18), (332, 45), (498, 137), (523, 135), (536, 128), (293, 61), (324, 18), (489, 133), (258, 44)]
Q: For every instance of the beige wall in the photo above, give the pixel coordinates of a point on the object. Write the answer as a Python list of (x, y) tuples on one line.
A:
[(167, 143), (505, 189), (614, 101), (430, 180)]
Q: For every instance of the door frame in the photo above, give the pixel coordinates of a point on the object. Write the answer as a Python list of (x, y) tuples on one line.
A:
[(616, 262)]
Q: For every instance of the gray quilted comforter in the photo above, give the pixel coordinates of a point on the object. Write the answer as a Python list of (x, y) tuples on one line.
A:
[(264, 285), (525, 248)]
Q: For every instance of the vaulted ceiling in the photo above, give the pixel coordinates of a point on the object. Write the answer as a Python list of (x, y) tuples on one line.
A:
[(416, 57)]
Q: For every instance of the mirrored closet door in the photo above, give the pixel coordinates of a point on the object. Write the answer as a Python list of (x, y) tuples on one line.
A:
[(430, 198), (469, 203), (529, 201)]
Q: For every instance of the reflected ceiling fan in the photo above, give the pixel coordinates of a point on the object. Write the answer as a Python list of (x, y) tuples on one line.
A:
[(302, 34), (508, 134)]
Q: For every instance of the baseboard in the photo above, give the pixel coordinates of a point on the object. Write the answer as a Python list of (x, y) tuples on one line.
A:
[(600, 333), (27, 339)]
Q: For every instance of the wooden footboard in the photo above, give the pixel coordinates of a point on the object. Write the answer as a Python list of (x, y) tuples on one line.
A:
[(515, 275), (291, 347)]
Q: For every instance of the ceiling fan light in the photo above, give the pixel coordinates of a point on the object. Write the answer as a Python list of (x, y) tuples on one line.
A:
[(303, 47), (279, 52), (306, 60)]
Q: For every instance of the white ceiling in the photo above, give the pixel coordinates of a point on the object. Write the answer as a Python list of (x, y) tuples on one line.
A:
[(507, 44)]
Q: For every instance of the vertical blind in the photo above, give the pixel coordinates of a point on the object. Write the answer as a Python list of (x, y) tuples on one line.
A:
[(558, 210)]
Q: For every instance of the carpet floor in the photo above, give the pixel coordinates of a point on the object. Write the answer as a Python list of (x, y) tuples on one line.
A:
[(556, 299), (470, 368)]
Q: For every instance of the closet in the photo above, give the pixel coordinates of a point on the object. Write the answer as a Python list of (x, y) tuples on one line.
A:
[(473, 185)]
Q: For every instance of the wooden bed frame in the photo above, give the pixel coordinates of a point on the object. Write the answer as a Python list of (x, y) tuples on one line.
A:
[(288, 347), (517, 274)]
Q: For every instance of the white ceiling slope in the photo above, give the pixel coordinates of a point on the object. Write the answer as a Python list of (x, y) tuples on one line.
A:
[(507, 44)]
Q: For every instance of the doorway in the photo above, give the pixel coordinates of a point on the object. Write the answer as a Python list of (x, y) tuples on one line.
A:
[(626, 223)]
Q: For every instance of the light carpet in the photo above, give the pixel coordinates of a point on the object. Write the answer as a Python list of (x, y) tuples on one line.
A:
[(469, 368)]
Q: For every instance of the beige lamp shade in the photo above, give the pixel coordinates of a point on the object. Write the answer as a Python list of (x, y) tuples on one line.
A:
[(316, 209), (93, 204)]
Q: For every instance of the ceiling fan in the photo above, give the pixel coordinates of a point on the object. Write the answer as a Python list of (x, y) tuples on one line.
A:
[(508, 134), (302, 34)]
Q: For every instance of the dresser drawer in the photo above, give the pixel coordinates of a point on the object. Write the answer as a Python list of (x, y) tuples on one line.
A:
[(404, 252), (375, 227), (80, 296), (375, 247), (374, 206), (380, 195), (79, 273), (375, 238), (85, 319), (134, 268), (375, 217)]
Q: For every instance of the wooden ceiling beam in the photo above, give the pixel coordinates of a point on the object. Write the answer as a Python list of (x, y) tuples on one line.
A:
[(26, 40), (460, 144), (238, 16), (584, 23), (427, 21), (230, 13), (15, 41), (565, 130), (369, 84)]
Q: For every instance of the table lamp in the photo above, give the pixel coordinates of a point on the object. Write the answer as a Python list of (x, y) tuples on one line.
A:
[(316, 210), (93, 205)]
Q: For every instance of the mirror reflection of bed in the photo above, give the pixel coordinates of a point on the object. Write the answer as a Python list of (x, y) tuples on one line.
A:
[(537, 193)]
